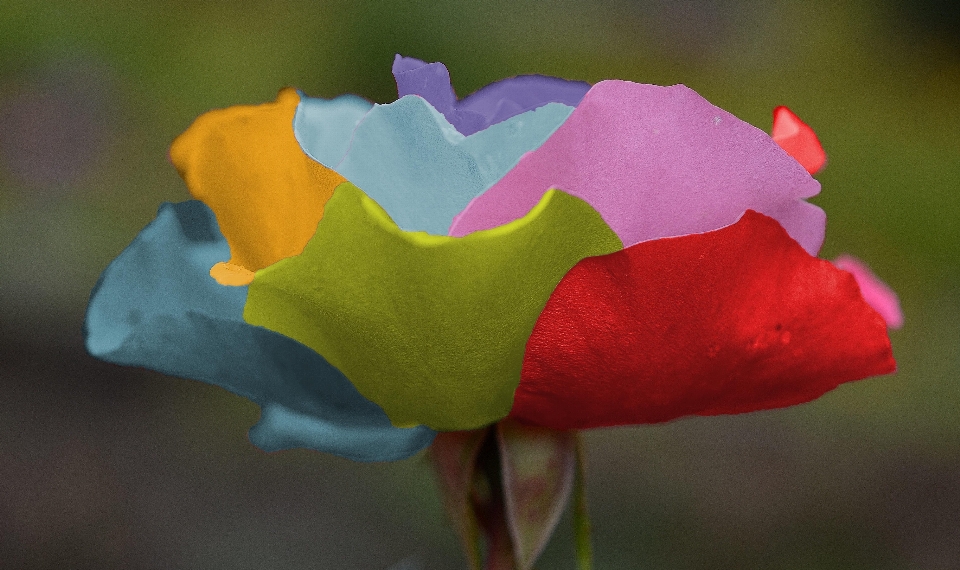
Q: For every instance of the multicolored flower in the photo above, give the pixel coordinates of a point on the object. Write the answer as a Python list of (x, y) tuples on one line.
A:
[(565, 255)]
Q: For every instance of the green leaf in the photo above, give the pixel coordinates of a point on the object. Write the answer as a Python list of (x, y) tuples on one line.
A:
[(538, 468)]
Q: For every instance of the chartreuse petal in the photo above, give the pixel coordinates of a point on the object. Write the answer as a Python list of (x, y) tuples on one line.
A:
[(268, 195), (431, 328), (156, 307)]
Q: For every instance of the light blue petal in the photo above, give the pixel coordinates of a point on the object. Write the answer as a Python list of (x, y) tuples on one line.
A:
[(415, 164), (324, 126), (156, 306)]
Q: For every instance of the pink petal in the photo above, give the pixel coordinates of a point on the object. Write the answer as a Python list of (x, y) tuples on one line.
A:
[(657, 162), (875, 292)]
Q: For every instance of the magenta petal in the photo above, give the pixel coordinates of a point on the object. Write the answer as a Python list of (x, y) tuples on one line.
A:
[(875, 292), (657, 162)]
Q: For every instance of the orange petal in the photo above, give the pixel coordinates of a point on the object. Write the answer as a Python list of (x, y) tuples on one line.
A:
[(231, 274), (268, 195)]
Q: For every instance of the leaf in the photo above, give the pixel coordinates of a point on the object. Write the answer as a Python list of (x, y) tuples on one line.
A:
[(537, 469)]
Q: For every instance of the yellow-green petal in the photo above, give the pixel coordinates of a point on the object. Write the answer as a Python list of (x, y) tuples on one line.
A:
[(431, 328)]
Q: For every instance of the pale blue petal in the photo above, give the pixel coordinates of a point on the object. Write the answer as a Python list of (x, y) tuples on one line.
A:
[(412, 162), (323, 127)]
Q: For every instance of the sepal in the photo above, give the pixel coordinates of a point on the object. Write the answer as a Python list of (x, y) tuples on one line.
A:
[(505, 488)]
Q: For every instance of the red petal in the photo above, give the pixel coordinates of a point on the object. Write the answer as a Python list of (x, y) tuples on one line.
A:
[(798, 139), (730, 321)]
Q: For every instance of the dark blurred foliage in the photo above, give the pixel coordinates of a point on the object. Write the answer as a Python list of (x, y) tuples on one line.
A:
[(933, 18), (110, 467)]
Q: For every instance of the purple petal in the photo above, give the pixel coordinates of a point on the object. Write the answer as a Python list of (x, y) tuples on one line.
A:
[(657, 162), (490, 105)]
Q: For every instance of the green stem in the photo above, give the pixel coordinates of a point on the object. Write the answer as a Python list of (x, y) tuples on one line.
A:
[(581, 517)]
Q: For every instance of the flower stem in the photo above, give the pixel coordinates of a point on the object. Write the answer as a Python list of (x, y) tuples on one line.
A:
[(581, 517)]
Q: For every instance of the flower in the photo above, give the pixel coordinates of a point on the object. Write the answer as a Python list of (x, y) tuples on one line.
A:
[(565, 255)]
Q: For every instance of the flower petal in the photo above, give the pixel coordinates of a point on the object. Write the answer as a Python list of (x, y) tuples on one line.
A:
[(324, 127), (155, 307), (730, 321), (491, 104), (657, 162), (798, 140), (431, 328), (412, 162), (246, 165), (875, 292)]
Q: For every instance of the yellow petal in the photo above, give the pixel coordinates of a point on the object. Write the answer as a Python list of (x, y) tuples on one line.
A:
[(268, 195)]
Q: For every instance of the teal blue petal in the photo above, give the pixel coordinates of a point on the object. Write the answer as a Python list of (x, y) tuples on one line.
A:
[(415, 164), (156, 306), (324, 126)]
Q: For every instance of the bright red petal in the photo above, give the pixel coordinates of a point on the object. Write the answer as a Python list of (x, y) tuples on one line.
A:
[(730, 321), (798, 139)]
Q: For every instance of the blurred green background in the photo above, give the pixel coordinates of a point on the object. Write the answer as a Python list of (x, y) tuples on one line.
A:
[(106, 467)]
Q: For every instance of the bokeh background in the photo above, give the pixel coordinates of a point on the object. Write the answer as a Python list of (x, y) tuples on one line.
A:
[(105, 467)]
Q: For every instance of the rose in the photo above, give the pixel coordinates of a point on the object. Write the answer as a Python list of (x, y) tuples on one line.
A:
[(640, 257)]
